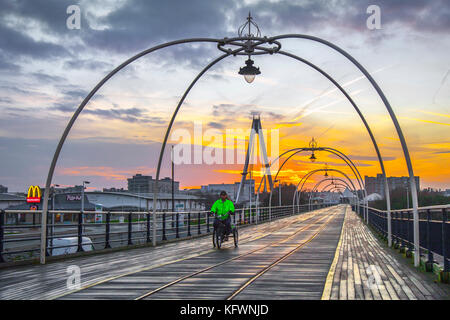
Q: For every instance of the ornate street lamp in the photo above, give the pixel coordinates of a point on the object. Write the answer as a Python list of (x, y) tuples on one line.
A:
[(326, 170), (313, 145), (249, 71)]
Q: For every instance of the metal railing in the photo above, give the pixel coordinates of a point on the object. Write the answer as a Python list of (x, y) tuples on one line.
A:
[(70, 232), (434, 231)]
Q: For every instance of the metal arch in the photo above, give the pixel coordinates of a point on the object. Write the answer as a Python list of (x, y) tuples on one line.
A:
[(335, 188), (320, 182), (395, 122), (360, 177), (172, 120), (380, 159), (328, 179), (372, 137), (87, 99), (308, 149), (338, 184), (309, 174), (306, 177), (334, 151), (328, 149), (331, 150)]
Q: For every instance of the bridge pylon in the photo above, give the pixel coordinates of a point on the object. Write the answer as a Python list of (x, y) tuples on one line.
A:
[(256, 129)]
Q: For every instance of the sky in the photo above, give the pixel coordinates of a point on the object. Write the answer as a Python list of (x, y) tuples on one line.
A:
[(46, 70)]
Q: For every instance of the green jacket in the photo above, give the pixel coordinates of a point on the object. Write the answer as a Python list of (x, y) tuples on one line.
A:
[(221, 208)]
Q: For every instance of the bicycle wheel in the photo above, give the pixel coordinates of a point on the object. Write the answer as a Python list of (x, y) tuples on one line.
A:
[(214, 238), (236, 237), (219, 237)]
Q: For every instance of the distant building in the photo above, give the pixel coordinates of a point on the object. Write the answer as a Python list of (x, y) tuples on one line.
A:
[(114, 190), (3, 189), (232, 188), (145, 184), (7, 200), (66, 190), (376, 184)]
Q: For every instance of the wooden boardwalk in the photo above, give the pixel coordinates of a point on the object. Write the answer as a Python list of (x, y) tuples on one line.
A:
[(364, 268), (49, 281)]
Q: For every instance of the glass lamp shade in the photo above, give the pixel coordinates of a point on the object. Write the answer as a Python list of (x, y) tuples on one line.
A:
[(249, 77), (249, 71)]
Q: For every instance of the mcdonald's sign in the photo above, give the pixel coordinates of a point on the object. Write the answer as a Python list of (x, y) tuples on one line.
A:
[(34, 194)]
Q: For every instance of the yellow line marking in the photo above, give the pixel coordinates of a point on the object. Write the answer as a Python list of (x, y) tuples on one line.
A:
[(326, 294)]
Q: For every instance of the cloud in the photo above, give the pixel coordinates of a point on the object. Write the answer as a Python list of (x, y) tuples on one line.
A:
[(363, 158), (14, 44), (216, 125), (131, 115)]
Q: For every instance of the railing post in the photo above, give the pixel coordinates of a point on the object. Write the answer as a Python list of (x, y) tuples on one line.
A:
[(47, 253), (396, 229), (177, 227), (148, 226), (408, 245), (430, 261), (108, 220), (189, 224), (164, 226), (80, 232), (402, 236), (444, 239), (130, 228), (207, 223), (199, 222), (2, 233)]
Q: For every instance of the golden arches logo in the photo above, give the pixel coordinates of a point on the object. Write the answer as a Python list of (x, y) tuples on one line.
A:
[(34, 194)]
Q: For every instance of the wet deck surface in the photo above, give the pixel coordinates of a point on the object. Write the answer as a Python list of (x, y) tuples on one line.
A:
[(49, 281), (366, 269), (310, 256)]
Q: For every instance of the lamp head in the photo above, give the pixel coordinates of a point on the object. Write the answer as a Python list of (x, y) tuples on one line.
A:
[(249, 71)]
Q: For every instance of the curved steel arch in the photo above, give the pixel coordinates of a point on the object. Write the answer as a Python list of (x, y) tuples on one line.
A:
[(328, 149), (343, 182), (309, 174), (331, 150), (335, 186), (328, 179), (92, 93), (380, 159), (395, 122)]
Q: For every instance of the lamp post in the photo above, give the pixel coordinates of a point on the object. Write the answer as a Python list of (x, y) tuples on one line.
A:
[(53, 218), (82, 199), (279, 191)]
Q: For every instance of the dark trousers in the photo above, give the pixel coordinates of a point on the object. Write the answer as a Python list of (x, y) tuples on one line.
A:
[(227, 223)]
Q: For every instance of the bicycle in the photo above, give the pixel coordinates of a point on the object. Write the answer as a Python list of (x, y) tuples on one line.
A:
[(219, 234)]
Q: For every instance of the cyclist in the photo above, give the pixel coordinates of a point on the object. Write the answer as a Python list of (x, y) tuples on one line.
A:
[(222, 209)]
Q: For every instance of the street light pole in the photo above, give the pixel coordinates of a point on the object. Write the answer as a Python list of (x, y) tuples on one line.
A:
[(173, 183), (82, 199)]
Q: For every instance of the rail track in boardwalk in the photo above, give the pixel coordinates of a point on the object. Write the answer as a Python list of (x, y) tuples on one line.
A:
[(183, 271)]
